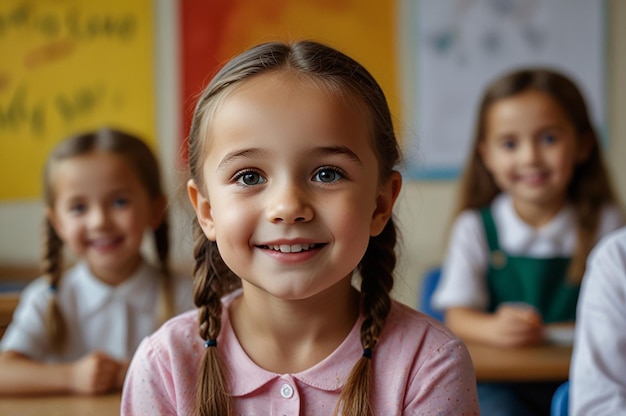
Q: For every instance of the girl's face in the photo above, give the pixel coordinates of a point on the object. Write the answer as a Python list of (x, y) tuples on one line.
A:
[(292, 193), (101, 211), (531, 148)]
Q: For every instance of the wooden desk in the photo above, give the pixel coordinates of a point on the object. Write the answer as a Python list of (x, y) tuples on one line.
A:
[(66, 405), (107, 405), (13, 278), (8, 302), (541, 363)]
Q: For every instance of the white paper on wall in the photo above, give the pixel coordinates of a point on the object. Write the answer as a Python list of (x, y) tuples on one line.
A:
[(454, 48)]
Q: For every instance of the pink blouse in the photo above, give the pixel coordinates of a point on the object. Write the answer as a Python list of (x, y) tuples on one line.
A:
[(419, 368)]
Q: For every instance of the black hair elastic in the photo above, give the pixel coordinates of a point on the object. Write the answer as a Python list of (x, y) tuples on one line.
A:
[(367, 353), (210, 343), (53, 288)]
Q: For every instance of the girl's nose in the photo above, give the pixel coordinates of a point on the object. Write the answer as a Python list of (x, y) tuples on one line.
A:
[(530, 152), (98, 217), (289, 204)]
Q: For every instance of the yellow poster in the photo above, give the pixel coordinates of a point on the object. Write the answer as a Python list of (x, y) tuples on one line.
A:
[(67, 66)]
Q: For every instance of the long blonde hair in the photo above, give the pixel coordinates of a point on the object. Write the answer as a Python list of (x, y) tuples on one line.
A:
[(212, 277), (143, 162), (590, 188)]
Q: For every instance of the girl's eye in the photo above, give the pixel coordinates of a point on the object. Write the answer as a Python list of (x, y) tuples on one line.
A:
[(509, 144), (328, 175), (120, 202), (249, 178), (548, 139), (78, 209)]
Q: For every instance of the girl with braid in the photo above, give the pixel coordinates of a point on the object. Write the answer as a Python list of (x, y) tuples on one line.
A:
[(292, 154), (75, 331)]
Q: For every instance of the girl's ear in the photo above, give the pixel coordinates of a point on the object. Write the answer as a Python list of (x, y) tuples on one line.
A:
[(387, 195), (202, 207)]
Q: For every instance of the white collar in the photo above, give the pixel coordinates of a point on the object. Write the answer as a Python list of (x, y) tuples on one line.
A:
[(515, 235), (138, 291)]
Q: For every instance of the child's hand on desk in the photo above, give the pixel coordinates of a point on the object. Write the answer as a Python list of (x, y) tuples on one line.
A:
[(515, 326), (97, 373)]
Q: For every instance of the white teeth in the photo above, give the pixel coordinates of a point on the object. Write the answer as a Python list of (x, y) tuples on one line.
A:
[(296, 248)]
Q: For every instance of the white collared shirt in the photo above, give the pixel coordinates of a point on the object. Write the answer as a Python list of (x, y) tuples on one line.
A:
[(112, 319), (598, 369), (463, 280)]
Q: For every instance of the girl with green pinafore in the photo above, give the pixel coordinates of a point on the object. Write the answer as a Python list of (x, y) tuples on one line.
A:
[(534, 199)]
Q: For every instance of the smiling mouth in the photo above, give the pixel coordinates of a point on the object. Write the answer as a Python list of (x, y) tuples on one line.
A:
[(104, 242), (537, 179), (291, 248)]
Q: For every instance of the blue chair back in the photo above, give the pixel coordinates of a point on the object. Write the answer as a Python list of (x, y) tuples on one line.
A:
[(429, 284), (560, 400)]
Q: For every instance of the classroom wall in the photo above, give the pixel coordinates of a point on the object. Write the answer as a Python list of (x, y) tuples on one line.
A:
[(424, 207)]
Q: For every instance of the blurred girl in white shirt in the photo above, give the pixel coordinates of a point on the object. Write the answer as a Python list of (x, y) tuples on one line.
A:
[(75, 332)]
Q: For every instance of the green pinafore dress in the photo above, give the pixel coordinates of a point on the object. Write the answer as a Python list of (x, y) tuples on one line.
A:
[(540, 282)]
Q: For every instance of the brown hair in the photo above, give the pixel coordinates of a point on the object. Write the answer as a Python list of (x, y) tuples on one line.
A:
[(213, 278), (143, 162), (590, 186)]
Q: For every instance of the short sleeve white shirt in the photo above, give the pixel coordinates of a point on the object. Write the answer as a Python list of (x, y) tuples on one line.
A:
[(598, 370), (113, 319), (463, 280)]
